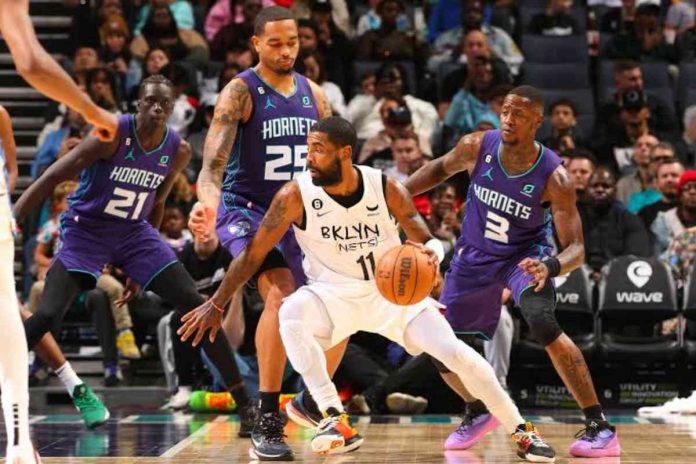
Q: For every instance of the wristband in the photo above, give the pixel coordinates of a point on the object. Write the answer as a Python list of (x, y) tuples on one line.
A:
[(553, 265), (212, 303), (436, 245)]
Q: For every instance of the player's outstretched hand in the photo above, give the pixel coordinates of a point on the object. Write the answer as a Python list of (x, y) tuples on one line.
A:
[(431, 253), (537, 270), (131, 291), (198, 320), (201, 221), (105, 124)]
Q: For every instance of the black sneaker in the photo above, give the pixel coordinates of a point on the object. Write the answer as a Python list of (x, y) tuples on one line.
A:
[(268, 440), (247, 419), (300, 414)]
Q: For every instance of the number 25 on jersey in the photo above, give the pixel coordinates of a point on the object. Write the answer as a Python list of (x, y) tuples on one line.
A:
[(290, 163)]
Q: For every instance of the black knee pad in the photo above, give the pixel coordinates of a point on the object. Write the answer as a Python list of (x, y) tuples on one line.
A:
[(538, 310)]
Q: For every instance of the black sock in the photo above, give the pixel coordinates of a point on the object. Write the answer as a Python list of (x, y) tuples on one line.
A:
[(309, 403), (594, 412), (268, 402), (240, 395), (476, 408)]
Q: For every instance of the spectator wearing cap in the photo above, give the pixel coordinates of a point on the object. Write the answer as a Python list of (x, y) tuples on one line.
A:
[(667, 177), (388, 42), (581, 164), (312, 66), (396, 118), (233, 34), (474, 48), (231, 13), (564, 132), (686, 146), (608, 228), (616, 148), (674, 222), (161, 30), (371, 21), (500, 42), (646, 42), (628, 76), (364, 113), (660, 153), (556, 21), (182, 12), (641, 179), (471, 101)]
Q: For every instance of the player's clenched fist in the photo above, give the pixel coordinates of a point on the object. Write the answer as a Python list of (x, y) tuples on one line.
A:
[(202, 221)]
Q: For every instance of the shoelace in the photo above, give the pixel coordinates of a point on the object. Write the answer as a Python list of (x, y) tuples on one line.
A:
[(589, 433), (467, 421), (531, 438), (272, 428), (86, 400)]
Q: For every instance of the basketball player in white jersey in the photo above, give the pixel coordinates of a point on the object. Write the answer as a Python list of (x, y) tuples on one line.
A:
[(37, 67), (343, 217)]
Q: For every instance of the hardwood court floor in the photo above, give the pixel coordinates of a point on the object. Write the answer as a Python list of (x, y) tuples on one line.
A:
[(157, 439)]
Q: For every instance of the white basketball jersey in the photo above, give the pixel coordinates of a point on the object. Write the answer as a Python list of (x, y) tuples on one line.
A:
[(339, 243)]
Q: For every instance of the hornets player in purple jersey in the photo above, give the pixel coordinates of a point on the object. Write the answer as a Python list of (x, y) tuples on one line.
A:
[(256, 143), (114, 217), (518, 191)]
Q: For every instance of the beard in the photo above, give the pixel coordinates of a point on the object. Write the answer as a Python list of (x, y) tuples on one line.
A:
[(329, 177)]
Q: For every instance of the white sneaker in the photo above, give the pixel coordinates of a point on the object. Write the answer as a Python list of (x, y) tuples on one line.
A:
[(179, 400), (673, 406), (402, 403), (17, 455)]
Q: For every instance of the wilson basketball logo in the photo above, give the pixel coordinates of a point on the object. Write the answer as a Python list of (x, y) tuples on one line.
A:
[(404, 274)]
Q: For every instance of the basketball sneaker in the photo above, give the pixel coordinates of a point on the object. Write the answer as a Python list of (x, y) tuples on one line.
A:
[(472, 429), (403, 403), (530, 446), (180, 399), (92, 410), (300, 414), (247, 419), (597, 440), (19, 455), (268, 440), (673, 406), (335, 434), (125, 343)]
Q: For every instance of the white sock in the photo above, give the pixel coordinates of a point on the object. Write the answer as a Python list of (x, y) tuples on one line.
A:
[(67, 375), (14, 359)]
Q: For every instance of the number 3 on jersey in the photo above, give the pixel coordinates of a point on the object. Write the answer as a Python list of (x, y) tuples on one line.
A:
[(496, 227), (291, 161)]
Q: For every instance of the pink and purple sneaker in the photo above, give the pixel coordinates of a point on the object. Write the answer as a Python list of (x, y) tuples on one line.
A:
[(471, 431), (597, 440)]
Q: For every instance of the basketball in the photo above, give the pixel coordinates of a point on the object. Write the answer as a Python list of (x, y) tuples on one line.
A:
[(405, 275)]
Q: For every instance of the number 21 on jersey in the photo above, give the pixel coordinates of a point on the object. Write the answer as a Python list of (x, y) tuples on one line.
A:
[(123, 201)]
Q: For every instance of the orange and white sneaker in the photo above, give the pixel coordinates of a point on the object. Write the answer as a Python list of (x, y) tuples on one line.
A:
[(19, 455), (335, 435), (530, 446)]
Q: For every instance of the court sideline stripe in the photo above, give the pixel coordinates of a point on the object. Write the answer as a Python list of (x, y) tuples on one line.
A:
[(183, 444)]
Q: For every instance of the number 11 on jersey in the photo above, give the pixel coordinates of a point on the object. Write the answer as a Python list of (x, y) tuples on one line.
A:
[(368, 265)]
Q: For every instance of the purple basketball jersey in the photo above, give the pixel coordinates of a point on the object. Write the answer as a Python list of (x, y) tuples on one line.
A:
[(504, 215), (123, 189), (271, 147)]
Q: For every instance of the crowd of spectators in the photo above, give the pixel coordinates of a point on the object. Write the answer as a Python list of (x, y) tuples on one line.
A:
[(412, 77)]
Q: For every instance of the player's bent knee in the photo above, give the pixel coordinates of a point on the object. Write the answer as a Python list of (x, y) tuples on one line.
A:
[(297, 342), (439, 365), (538, 311)]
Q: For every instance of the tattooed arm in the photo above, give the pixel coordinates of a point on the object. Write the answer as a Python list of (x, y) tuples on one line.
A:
[(402, 208), (324, 109), (285, 210), (233, 106)]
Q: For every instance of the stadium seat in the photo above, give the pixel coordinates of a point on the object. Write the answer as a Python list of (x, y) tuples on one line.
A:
[(360, 68), (582, 98), (541, 49), (577, 12), (574, 312), (556, 75), (635, 296), (689, 308)]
